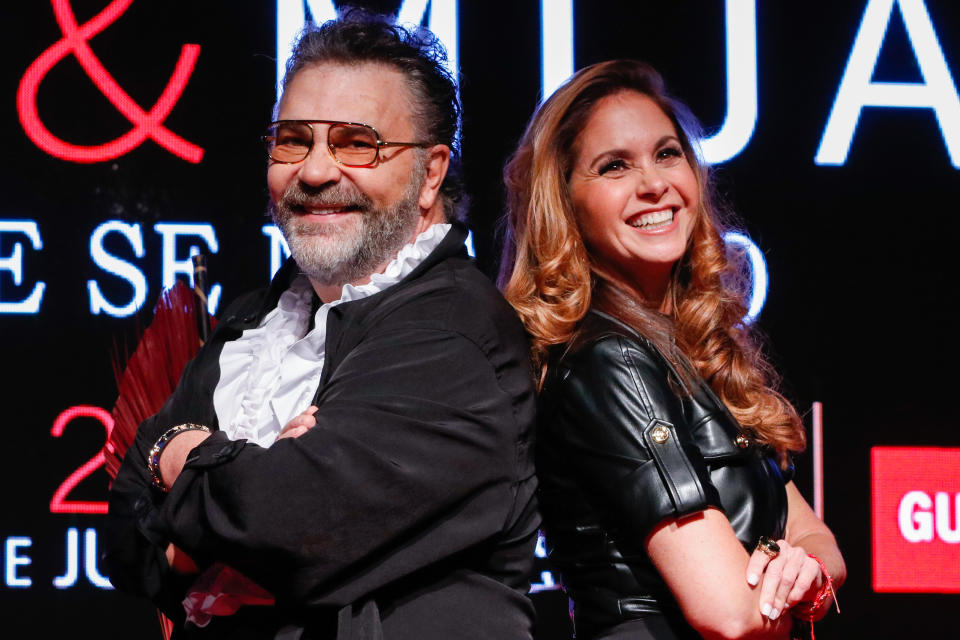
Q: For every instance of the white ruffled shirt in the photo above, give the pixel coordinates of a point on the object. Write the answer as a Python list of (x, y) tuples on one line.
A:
[(270, 374)]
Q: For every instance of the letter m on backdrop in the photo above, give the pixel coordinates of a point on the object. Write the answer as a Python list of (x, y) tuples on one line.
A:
[(440, 16)]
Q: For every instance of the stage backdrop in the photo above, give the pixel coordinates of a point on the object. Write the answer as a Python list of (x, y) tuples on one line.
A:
[(130, 136)]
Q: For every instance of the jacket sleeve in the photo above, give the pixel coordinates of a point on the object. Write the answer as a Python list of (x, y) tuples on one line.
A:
[(625, 436), (412, 461), (135, 541), (135, 537)]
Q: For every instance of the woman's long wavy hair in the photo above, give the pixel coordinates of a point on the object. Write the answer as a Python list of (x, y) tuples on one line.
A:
[(549, 277)]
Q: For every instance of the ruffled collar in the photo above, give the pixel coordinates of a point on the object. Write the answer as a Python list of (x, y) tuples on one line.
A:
[(271, 372), (411, 255)]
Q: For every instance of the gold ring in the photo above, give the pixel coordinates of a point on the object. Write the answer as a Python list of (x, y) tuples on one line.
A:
[(768, 546)]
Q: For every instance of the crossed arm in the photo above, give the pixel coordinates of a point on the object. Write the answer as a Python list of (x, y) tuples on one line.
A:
[(700, 557), (175, 454), (414, 427), (615, 388)]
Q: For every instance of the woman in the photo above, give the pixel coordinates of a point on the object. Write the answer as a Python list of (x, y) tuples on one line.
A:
[(664, 448)]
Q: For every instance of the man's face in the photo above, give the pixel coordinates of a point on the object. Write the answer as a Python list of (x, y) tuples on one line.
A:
[(345, 223)]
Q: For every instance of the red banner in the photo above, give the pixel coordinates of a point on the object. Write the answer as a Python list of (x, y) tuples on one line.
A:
[(916, 519)]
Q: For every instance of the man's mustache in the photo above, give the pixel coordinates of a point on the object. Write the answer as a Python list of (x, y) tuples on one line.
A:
[(299, 196)]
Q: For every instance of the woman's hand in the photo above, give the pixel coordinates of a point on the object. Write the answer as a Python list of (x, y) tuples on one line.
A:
[(300, 424), (791, 577)]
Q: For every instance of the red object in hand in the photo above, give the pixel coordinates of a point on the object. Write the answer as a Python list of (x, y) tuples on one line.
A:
[(221, 591), (154, 369)]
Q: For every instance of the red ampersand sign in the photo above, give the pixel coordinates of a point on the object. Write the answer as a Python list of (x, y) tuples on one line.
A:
[(146, 124)]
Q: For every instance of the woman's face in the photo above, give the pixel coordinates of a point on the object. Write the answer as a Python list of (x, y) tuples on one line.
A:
[(634, 193)]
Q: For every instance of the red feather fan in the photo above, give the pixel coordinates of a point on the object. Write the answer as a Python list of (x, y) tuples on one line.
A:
[(151, 375), (154, 369)]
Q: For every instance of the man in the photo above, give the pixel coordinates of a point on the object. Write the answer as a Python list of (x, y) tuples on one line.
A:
[(368, 458)]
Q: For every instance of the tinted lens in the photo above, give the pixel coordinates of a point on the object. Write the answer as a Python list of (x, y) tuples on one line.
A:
[(353, 144), (289, 141)]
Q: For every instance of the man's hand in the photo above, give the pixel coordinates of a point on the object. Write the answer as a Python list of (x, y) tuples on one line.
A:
[(174, 455), (180, 561), (300, 424)]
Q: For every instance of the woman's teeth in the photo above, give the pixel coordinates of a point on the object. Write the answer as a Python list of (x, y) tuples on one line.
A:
[(653, 220)]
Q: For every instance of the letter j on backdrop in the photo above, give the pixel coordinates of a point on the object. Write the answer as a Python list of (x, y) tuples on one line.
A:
[(916, 519)]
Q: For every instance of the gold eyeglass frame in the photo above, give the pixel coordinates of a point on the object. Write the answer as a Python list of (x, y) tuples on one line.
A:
[(309, 123)]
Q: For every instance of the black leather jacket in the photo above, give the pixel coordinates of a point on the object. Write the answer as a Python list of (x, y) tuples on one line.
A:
[(619, 451)]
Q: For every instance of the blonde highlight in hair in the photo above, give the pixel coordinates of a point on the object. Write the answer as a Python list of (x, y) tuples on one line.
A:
[(548, 276)]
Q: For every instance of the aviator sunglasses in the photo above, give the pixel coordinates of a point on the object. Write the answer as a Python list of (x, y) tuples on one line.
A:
[(351, 144)]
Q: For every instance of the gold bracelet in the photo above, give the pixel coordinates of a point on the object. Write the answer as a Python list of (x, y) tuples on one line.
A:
[(153, 458)]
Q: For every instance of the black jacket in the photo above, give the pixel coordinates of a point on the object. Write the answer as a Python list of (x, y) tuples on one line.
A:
[(410, 505), (618, 452)]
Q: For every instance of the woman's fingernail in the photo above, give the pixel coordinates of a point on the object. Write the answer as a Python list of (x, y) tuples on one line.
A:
[(765, 609), (753, 579), (774, 614)]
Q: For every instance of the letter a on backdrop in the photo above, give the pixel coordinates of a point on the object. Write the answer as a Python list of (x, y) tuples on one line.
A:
[(857, 90)]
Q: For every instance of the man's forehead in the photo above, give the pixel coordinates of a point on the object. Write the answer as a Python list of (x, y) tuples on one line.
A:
[(371, 93)]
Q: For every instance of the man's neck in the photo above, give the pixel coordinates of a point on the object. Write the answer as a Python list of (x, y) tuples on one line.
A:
[(331, 292)]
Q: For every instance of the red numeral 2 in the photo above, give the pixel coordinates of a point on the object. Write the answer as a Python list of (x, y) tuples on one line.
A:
[(59, 503)]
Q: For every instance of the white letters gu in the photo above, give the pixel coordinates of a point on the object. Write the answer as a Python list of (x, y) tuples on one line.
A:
[(919, 516)]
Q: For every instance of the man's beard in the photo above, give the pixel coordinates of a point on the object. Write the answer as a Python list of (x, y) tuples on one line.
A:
[(338, 254)]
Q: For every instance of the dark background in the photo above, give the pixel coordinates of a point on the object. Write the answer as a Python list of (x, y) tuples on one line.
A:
[(861, 257)]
